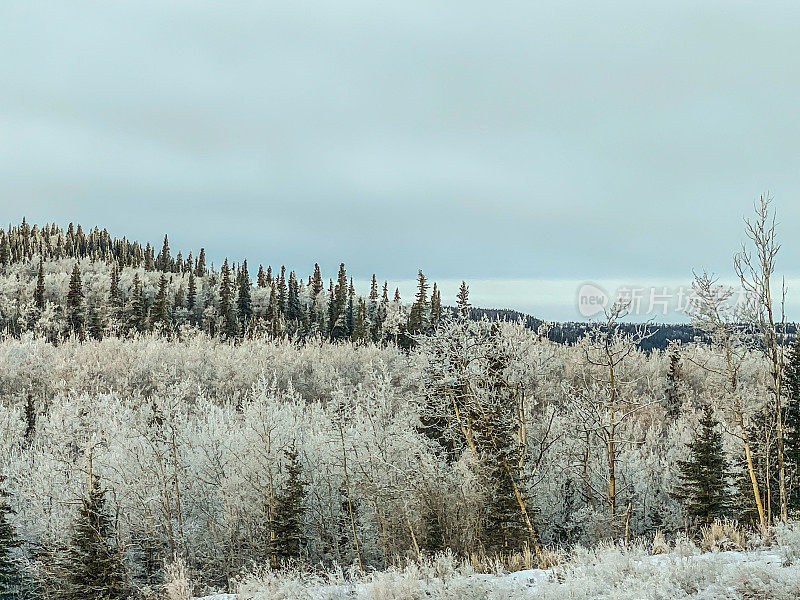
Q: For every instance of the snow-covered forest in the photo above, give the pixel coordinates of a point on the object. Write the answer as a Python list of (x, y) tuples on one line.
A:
[(166, 424)]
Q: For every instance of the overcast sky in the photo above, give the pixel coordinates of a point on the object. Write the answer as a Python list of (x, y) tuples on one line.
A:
[(524, 146)]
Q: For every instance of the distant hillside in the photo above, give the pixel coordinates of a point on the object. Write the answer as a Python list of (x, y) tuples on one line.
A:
[(659, 335)]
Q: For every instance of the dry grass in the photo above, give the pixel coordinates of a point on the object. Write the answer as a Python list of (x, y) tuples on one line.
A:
[(723, 535), (179, 585)]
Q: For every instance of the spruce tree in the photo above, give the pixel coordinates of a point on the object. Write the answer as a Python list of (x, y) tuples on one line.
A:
[(350, 315), (273, 315), (244, 304), (191, 295), (262, 277), (462, 301), (360, 324), (75, 301), (418, 316), (331, 316), (673, 396), (164, 262), (791, 423), (5, 251), (95, 324), (200, 267), (160, 312), (180, 295), (97, 570), (338, 307), (703, 488), (38, 295), (316, 282), (282, 291), (287, 542), (294, 310), (149, 260), (137, 308), (114, 293), (436, 306), (30, 418), (226, 311), (10, 574)]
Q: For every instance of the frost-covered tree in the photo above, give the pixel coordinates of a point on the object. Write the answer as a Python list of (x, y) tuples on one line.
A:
[(97, 570), (704, 476), (10, 570), (288, 536)]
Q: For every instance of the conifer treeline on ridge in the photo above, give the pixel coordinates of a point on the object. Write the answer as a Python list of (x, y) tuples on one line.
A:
[(121, 287)]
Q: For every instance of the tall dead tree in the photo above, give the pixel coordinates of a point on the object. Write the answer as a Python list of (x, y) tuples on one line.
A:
[(756, 269)]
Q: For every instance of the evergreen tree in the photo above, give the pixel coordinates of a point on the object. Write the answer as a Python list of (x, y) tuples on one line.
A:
[(149, 260), (262, 277), (179, 297), (273, 315), (294, 310), (373, 317), (282, 291), (316, 282), (360, 324), (191, 296), (331, 307), (226, 312), (434, 532), (791, 441), (338, 307), (30, 418), (504, 529), (97, 571), (350, 316), (114, 293), (270, 279), (703, 490), (673, 394), (244, 304), (418, 315), (38, 295), (397, 295), (200, 267), (5, 251), (164, 262), (137, 307), (288, 539), (95, 324), (436, 306), (160, 312), (75, 301), (462, 301), (10, 573), (373, 296)]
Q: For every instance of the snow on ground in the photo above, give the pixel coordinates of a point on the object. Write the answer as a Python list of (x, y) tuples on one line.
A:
[(607, 573)]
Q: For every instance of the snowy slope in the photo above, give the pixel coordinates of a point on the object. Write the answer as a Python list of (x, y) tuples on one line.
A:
[(608, 573)]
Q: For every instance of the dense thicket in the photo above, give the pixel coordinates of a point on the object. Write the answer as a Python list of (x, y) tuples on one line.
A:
[(227, 453)]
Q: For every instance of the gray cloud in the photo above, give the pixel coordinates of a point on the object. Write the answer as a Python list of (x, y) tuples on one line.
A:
[(518, 140)]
